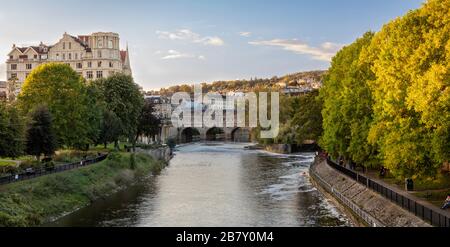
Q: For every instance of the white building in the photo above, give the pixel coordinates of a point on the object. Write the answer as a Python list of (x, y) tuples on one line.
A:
[(92, 56)]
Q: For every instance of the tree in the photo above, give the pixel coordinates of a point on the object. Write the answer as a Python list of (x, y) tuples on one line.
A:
[(347, 104), (124, 98), (149, 123), (307, 119), (411, 60), (11, 132), (110, 128), (62, 90), (16, 131), (41, 138)]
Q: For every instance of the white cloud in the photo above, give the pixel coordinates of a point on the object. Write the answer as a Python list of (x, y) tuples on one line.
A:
[(188, 35), (245, 34), (324, 53), (173, 54)]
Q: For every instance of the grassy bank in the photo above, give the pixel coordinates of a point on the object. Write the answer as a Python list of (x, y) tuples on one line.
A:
[(36, 201)]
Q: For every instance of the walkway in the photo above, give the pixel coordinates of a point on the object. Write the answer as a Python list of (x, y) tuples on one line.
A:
[(42, 172)]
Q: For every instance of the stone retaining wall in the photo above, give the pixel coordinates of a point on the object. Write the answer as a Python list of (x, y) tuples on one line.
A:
[(163, 153), (368, 201)]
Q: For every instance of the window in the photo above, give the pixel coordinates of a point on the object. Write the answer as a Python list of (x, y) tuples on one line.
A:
[(64, 45), (89, 65), (100, 43), (79, 65), (99, 54), (76, 56), (110, 44), (11, 57), (35, 56), (111, 64), (89, 75), (13, 66), (57, 57), (64, 56), (100, 74), (70, 45), (29, 66), (70, 55), (13, 75), (99, 64)]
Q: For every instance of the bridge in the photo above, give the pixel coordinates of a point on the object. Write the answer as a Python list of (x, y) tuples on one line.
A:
[(191, 134)]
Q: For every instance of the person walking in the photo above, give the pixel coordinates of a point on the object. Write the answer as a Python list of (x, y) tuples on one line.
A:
[(446, 203)]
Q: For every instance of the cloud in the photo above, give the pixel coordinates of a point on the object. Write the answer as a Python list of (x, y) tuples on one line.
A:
[(325, 52), (173, 54), (245, 34), (188, 35)]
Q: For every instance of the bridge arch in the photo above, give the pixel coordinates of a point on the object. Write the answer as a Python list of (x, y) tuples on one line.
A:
[(215, 134), (240, 135), (189, 135)]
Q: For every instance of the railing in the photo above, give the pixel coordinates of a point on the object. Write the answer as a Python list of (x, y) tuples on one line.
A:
[(371, 221), (41, 172), (430, 215)]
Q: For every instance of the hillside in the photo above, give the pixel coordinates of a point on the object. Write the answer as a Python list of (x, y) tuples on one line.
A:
[(304, 80)]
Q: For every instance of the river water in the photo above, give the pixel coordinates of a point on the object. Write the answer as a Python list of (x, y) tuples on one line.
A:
[(218, 184)]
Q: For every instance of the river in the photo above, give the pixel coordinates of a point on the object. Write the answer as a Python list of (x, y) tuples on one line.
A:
[(218, 184)]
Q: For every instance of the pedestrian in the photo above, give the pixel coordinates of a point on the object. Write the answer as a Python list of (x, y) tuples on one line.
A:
[(447, 202)]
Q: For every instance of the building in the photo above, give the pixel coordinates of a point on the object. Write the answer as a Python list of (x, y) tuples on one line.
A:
[(92, 56), (3, 90)]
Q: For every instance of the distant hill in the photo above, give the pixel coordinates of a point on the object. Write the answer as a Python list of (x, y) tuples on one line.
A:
[(304, 80)]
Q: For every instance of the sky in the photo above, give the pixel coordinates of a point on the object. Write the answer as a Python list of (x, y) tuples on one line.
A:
[(193, 41)]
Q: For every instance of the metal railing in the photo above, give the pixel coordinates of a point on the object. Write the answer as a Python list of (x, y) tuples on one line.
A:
[(370, 220), (41, 172), (430, 215)]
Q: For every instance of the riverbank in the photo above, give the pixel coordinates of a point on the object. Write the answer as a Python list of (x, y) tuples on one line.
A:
[(35, 202), (290, 148), (365, 205)]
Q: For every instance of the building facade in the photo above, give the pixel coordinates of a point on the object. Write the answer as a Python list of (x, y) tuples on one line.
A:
[(93, 56)]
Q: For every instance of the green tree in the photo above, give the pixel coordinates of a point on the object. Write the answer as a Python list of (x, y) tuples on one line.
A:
[(124, 98), (62, 90), (110, 128), (40, 136), (307, 119), (347, 104), (411, 95), (11, 132), (149, 123)]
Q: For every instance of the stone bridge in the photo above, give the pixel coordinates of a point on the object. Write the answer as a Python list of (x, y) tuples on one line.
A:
[(191, 134)]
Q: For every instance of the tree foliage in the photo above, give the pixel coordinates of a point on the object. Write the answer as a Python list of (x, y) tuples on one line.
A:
[(386, 96), (40, 135), (62, 90), (11, 131), (411, 95), (347, 107), (149, 123), (124, 98)]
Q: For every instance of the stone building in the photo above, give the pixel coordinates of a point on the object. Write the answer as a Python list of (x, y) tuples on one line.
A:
[(93, 56)]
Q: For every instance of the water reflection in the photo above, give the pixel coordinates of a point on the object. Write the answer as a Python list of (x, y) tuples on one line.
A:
[(218, 184)]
